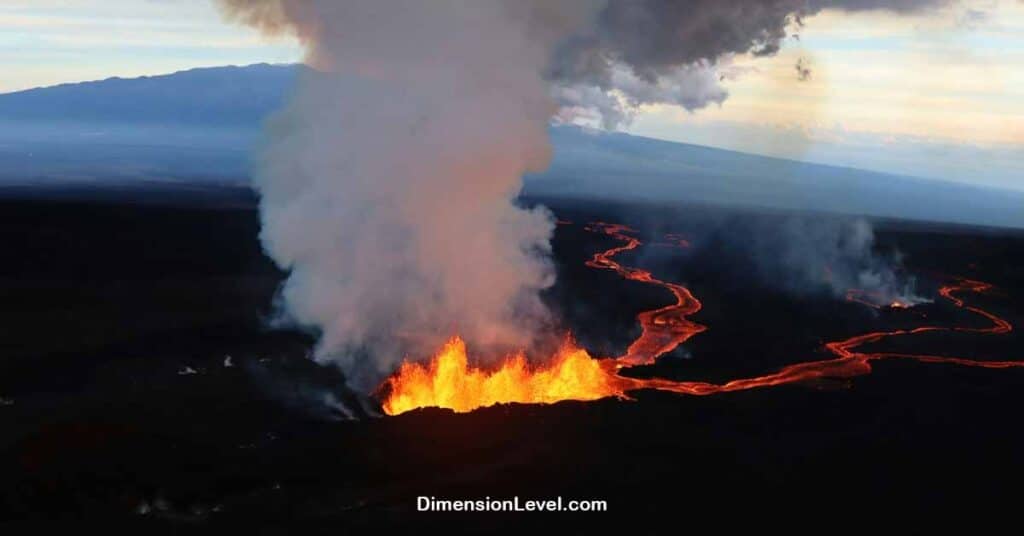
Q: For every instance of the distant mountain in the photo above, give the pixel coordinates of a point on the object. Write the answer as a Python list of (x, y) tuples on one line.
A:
[(589, 164), (201, 125), (221, 96), (189, 126)]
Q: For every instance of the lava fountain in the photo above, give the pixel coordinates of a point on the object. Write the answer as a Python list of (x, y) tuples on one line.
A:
[(449, 381)]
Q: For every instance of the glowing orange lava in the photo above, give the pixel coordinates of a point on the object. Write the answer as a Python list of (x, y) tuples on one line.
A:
[(449, 381), (849, 363), (664, 328)]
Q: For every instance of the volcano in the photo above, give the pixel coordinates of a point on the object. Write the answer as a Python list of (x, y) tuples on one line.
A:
[(812, 398)]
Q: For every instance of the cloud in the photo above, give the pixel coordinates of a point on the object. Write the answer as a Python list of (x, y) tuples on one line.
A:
[(670, 52)]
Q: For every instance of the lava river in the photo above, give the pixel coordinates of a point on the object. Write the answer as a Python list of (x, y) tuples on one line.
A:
[(449, 381)]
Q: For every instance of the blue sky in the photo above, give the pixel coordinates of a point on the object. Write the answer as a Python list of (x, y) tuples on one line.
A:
[(940, 95)]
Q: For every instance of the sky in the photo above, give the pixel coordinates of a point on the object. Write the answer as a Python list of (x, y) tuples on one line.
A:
[(47, 42), (938, 95)]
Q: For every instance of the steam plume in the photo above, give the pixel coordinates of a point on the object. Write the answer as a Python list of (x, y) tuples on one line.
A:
[(387, 184), (804, 253)]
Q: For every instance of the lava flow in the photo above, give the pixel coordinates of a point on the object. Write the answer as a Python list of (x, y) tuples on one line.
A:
[(664, 328), (849, 363), (572, 374)]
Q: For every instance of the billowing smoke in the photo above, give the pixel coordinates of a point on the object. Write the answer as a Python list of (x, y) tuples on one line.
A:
[(388, 183), (639, 52), (835, 254), (692, 86)]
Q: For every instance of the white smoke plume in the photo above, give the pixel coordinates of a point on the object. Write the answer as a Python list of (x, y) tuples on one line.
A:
[(388, 183), (838, 254)]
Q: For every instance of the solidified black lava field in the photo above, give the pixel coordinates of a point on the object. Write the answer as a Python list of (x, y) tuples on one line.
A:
[(120, 403)]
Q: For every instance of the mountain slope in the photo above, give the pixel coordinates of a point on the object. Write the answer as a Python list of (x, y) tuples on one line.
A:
[(201, 125), (620, 166), (220, 96)]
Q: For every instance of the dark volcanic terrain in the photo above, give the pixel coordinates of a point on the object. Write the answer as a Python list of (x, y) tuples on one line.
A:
[(120, 403)]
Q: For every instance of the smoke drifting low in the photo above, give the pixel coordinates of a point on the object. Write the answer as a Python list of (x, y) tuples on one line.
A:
[(838, 254), (388, 183)]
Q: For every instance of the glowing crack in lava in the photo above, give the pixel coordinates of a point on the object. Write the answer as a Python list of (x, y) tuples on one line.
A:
[(572, 374)]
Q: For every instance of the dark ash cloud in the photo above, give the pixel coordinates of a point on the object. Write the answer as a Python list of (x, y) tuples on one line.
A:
[(650, 42)]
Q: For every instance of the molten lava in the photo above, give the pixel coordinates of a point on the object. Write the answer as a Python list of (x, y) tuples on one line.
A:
[(663, 329), (449, 381)]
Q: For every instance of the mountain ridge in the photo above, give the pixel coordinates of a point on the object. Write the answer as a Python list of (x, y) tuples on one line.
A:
[(203, 124)]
